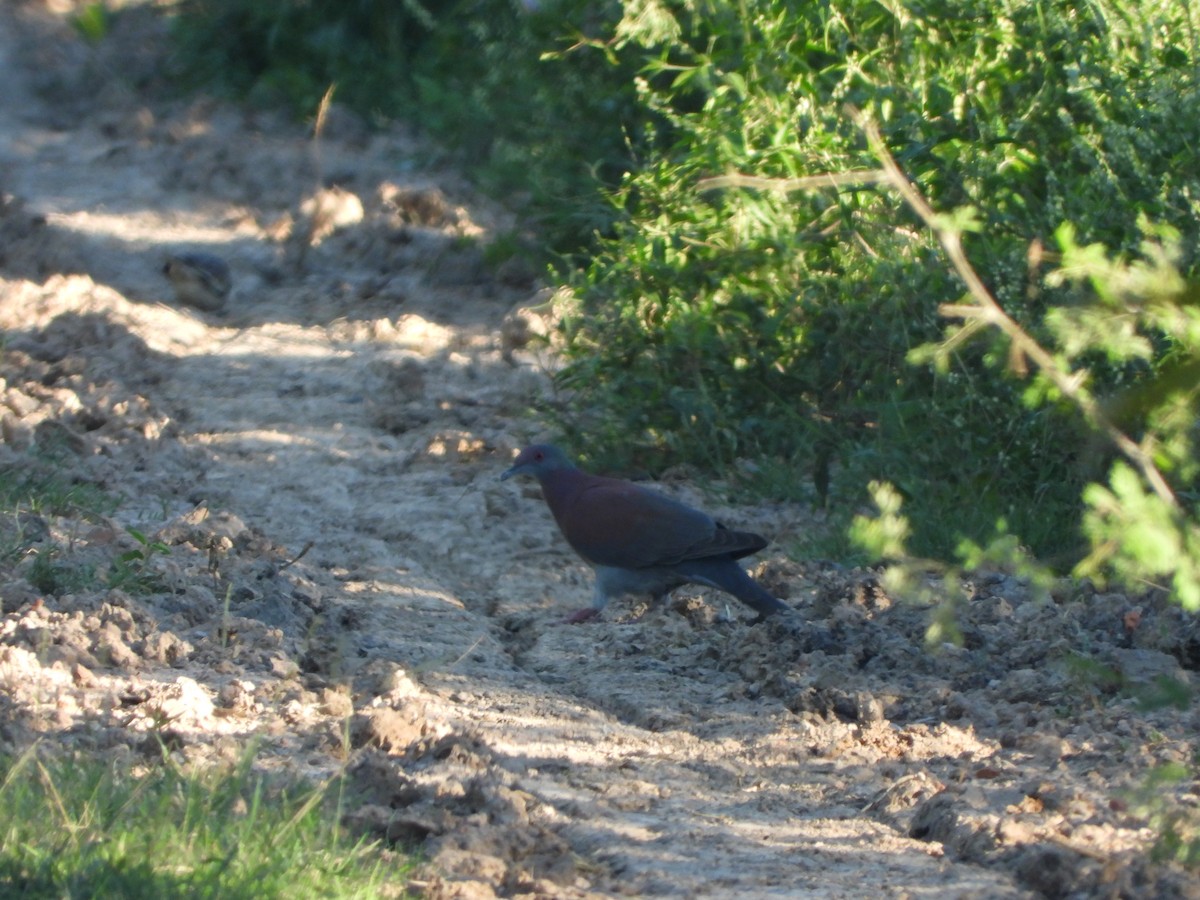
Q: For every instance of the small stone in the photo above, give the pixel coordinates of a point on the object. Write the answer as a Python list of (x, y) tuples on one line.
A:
[(83, 676), (336, 702)]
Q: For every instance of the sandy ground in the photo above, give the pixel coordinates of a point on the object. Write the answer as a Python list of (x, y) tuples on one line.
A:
[(336, 572)]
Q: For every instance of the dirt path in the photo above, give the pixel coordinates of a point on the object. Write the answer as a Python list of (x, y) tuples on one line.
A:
[(353, 407)]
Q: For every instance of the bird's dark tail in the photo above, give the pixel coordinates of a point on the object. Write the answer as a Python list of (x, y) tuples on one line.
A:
[(730, 577)]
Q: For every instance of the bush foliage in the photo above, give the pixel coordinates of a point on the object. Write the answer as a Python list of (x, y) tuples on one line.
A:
[(769, 323)]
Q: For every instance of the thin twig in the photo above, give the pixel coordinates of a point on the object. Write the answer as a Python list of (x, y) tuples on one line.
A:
[(466, 652), (299, 556)]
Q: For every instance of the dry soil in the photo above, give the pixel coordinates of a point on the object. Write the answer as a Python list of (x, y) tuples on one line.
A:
[(318, 554)]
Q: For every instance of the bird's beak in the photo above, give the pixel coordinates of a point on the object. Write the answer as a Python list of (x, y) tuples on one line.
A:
[(509, 473)]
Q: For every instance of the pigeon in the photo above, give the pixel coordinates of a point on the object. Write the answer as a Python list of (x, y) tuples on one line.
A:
[(639, 541)]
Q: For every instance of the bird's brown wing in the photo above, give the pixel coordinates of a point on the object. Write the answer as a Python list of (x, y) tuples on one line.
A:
[(616, 523)]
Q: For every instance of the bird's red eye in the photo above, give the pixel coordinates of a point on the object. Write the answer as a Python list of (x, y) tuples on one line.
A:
[(538, 456)]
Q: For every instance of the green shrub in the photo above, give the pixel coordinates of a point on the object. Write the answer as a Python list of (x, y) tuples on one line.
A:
[(747, 322), (1143, 525)]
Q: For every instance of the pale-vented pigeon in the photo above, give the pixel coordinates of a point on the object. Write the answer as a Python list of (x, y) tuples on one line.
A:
[(639, 541)]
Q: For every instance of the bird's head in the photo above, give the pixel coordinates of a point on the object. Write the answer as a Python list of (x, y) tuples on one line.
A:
[(538, 460)]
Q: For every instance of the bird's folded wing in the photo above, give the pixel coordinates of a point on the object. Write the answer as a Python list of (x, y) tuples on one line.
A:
[(615, 523)]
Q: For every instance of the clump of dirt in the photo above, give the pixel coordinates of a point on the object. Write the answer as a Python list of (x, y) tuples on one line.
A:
[(282, 522)]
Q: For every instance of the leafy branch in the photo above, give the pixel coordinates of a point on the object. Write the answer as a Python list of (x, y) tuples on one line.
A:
[(986, 310), (1135, 524)]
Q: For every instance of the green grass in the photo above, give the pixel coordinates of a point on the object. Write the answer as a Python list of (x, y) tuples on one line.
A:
[(82, 828), (39, 487), (34, 489), (38, 484)]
